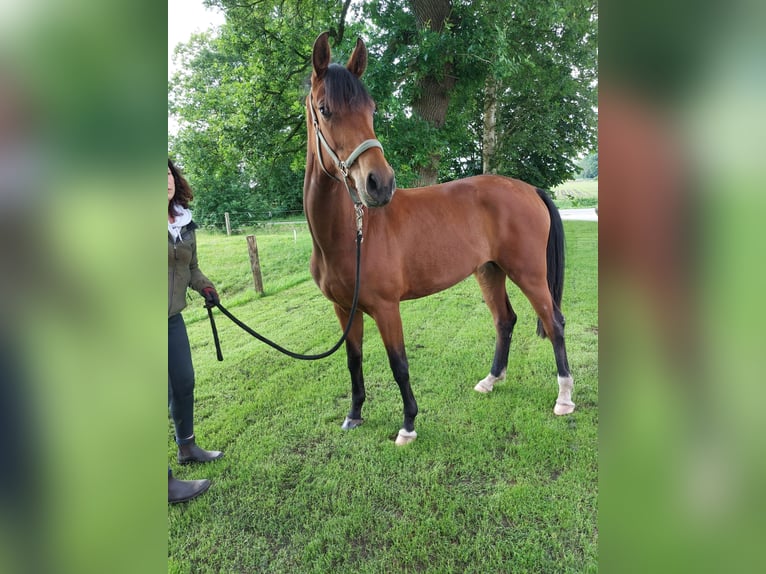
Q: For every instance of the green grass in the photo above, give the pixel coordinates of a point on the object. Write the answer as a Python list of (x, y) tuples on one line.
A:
[(576, 193), (494, 483)]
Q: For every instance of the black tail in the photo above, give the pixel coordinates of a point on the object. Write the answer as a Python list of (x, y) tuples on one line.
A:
[(554, 256)]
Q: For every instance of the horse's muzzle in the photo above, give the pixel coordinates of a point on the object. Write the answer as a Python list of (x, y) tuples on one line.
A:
[(379, 187)]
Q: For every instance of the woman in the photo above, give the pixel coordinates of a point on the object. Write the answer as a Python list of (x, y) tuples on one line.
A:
[(183, 272)]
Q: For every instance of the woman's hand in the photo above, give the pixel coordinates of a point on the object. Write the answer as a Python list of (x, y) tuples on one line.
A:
[(211, 297)]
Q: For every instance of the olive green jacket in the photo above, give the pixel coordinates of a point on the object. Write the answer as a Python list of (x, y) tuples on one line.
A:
[(183, 270)]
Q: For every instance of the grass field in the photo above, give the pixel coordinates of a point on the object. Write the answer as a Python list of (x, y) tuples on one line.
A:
[(494, 483), (577, 193)]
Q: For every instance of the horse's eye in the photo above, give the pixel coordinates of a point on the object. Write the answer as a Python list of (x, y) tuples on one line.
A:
[(324, 111)]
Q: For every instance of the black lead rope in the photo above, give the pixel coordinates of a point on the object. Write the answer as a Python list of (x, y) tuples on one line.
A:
[(215, 334), (281, 349)]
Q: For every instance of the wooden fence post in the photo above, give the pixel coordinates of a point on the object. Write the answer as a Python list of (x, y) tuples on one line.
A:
[(228, 224), (255, 263)]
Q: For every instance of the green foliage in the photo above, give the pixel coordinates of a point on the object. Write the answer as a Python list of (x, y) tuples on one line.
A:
[(239, 96), (589, 166), (547, 116), (494, 483), (542, 58)]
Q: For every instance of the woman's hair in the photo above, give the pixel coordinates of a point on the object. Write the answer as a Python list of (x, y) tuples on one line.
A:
[(183, 195)]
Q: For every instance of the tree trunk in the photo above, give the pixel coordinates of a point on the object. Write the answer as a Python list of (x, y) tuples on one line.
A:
[(490, 124), (433, 100), (431, 105), (432, 13)]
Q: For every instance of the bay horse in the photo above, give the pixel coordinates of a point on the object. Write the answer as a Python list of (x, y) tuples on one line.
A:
[(418, 241)]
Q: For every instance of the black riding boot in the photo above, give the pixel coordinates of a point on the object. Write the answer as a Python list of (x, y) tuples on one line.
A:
[(190, 452), (183, 490)]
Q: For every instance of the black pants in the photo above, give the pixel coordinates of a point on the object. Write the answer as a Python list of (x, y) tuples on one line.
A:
[(180, 380)]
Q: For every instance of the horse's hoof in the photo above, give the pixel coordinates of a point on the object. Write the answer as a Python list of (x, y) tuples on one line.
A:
[(561, 409), (405, 437), (487, 383), (350, 423), (483, 387)]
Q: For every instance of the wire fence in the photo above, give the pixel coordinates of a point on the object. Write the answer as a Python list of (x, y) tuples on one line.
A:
[(245, 222)]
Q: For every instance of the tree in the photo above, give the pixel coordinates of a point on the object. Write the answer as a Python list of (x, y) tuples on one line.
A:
[(440, 71), (547, 110), (206, 103), (589, 166), (239, 99), (517, 81), (434, 83)]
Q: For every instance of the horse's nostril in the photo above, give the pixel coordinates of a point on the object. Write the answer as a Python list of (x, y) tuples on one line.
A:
[(372, 182)]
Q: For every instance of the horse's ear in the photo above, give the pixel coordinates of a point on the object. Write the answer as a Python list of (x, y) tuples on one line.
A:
[(321, 55), (357, 63)]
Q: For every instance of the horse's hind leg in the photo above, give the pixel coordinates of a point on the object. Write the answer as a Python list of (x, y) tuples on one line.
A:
[(536, 290), (491, 279), (354, 361)]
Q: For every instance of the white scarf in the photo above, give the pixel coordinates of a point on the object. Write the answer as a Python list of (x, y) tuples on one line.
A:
[(182, 218)]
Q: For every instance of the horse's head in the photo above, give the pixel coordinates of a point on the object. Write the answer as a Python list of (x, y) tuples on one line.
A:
[(341, 112)]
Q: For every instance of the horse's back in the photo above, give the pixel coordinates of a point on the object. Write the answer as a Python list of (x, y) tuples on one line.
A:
[(480, 200), (496, 189)]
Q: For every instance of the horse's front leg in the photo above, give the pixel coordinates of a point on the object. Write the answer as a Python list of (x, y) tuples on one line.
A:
[(354, 361), (389, 323)]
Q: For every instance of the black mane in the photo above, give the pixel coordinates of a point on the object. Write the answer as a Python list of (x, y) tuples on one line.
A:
[(342, 88)]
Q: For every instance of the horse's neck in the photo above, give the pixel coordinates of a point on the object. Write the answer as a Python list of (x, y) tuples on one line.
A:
[(329, 211)]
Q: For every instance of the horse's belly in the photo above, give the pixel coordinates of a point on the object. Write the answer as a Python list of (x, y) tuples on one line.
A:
[(425, 281)]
